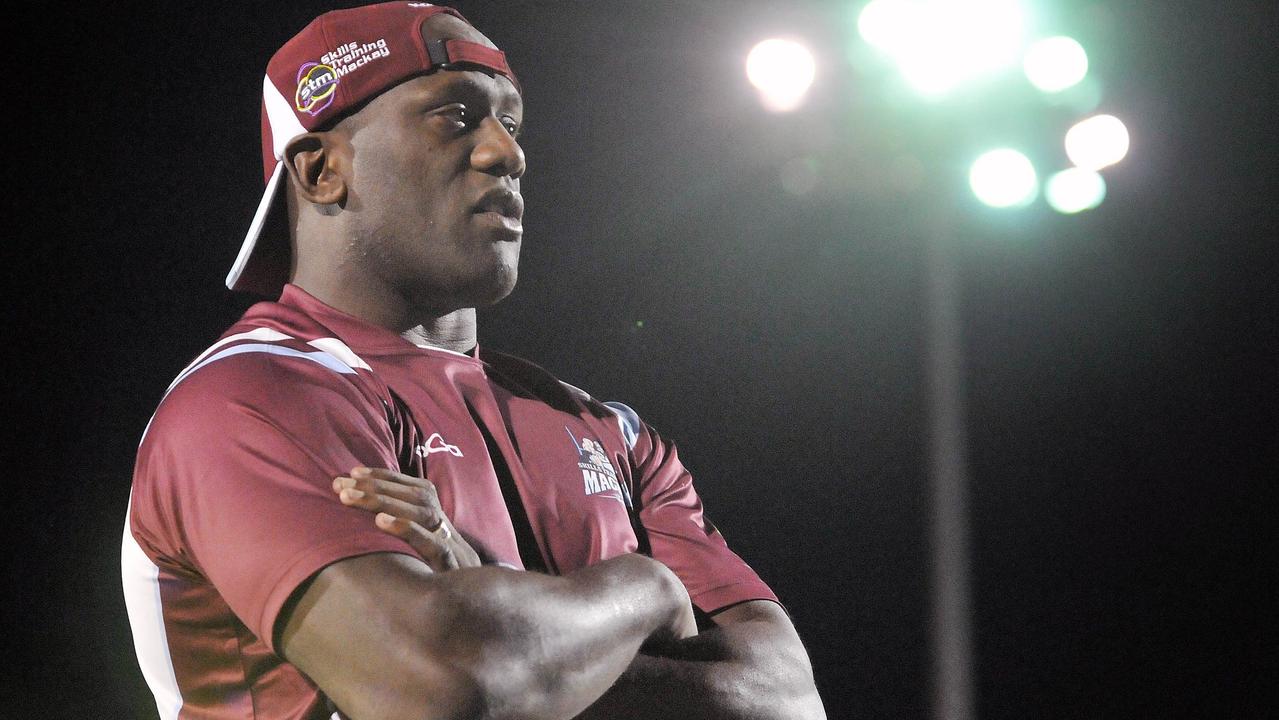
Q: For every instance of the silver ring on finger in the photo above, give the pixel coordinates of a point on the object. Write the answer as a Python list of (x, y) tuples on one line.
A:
[(441, 532)]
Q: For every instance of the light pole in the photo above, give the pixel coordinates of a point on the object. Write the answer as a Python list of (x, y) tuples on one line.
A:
[(937, 48), (950, 610)]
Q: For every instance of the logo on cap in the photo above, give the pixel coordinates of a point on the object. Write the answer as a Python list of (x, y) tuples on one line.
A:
[(316, 84)]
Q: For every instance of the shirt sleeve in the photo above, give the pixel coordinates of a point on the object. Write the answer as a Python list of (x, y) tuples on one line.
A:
[(679, 533), (233, 480)]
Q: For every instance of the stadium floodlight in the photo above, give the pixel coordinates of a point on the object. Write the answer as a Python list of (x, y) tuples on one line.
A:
[(1075, 190), (1003, 178), (1055, 64), (1097, 142), (938, 45), (782, 71)]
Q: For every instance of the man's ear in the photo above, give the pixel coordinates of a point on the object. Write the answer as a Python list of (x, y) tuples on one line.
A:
[(315, 161)]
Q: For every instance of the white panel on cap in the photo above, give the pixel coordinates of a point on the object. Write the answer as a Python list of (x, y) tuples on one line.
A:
[(279, 113), (255, 227)]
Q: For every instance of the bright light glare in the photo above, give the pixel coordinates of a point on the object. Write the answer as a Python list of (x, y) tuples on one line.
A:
[(782, 71), (886, 24), (1075, 190), (1099, 141), (1056, 63), (1003, 178), (940, 44)]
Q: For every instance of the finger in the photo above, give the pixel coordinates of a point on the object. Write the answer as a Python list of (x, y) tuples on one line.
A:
[(388, 475), (352, 488), (420, 491), (441, 545), (428, 516), (407, 500), (435, 546), (391, 484)]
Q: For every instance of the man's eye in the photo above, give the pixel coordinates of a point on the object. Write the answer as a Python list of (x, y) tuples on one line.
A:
[(456, 115), (512, 127)]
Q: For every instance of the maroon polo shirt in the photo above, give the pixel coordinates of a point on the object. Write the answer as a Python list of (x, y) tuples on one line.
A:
[(232, 507)]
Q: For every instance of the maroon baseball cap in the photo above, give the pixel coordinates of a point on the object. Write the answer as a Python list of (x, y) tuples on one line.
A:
[(334, 65)]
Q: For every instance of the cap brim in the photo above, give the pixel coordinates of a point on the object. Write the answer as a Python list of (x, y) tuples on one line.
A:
[(263, 264)]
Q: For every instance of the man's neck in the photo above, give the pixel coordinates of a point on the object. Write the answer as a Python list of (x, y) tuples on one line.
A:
[(453, 330)]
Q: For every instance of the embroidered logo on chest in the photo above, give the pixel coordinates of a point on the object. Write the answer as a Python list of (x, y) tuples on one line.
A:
[(436, 444), (598, 475)]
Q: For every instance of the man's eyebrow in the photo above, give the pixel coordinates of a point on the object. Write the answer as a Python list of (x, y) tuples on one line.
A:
[(462, 83)]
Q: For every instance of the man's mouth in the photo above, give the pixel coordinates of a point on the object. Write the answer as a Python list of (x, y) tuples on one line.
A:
[(502, 202)]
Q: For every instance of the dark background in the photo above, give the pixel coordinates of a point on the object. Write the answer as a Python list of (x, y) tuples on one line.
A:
[(1122, 375)]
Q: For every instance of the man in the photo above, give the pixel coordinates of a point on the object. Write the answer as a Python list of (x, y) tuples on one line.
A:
[(344, 508)]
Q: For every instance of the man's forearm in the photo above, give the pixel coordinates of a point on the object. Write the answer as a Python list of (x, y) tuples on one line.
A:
[(558, 647), (385, 641), (751, 665)]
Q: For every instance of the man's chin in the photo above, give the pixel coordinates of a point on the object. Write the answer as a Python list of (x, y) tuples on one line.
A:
[(496, 288)]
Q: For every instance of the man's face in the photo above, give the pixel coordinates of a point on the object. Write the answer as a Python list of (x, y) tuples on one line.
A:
[(433, 189)]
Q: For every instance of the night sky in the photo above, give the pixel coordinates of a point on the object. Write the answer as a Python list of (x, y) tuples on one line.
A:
[(1122, 365)]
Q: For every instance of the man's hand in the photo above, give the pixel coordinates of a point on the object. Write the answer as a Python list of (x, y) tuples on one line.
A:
[(408, 507)]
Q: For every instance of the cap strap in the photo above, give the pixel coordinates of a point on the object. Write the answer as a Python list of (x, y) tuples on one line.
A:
[(454, 51)]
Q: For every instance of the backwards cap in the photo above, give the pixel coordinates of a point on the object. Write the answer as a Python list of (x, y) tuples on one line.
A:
[(335, 64)]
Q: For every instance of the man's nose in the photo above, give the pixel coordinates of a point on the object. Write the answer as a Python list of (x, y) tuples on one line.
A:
[(496, 151)]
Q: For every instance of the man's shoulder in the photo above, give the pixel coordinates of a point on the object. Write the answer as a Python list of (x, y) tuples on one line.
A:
[(252, 353), (516, 367), (565, 395), (529, 376), (274, 356)]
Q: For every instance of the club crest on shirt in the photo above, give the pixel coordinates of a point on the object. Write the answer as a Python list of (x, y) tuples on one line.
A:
[(598, 475)]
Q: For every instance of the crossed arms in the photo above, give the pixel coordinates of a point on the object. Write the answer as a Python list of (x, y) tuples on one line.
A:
[(390, 636)]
